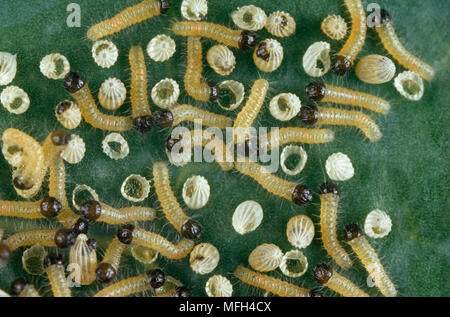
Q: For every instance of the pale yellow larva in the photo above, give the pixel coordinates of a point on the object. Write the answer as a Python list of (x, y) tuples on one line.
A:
[(48, 207), (107, 270), (296, 135), (55, 271)]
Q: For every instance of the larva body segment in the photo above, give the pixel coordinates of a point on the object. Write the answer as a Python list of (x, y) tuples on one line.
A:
[(26, 209), (343, 96), (189, 228), (107, 270), (139, 91), (369, 258), (76, 85), (131, 15), (271, 284), (250, 111), (56, 275), (297, 135), (45, 238), (345, 58), (297, 193), (328, 277), (29, 291), (241, 39), (395, 48), (193, 77), (329, 200)]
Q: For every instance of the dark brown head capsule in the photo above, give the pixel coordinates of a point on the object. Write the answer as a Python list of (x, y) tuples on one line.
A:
[(91, 210), (301, 195), (65, 238), (5, 253), (214, 91), (125, 233), (22, 183), (315, 293), (262, 52), (143, 124), (53, 259), (309, 114), (164, 5), (81, 226), (74, 82), (191, 230), (105, 273), (61, 137), (352, 231), (315, 91), (62, 107), (92, 244), (171, 141), (163, 119), (322, 273), (385, 17), (330, 188), (50, 207), (156, 278), (341, 65), (183, 291), (247, 40), (18, 285)]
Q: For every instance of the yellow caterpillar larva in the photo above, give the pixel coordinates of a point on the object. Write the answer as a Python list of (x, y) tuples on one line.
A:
[(333, 116), (23, 288), (329, 200), (325, 275), (106, 271), (150, 280), (296, 135), (101, 212), (142, 115), (250, 111), (241, 39), (297, 193), (369, 258), (327, 93), (345, 58), (54, 268), (272, 284), (144, 10), (393, 45), (48, 207), (189, 228), (181, 113), (77, 86), (57, 188), (193, 77), (130, 234)]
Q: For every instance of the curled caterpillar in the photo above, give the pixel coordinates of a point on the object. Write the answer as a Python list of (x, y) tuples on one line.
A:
[(23, 288), (396, 49), (150, 280), (249, 112), (297, 193), (329, 200), (131, 234), (332, 116), (106, 271), (327, 93), (54, 268), (192, 79), (77, 86), (101, 212), (142, 115), (189, 228), (345, 58), (296, 135), (131, 15), (325, 275), (272, 284), (181, 113), (369, 258), (241, 39)]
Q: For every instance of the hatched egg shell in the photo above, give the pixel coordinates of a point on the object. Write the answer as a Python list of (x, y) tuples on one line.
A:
[(83, 260), (249, 17), (265, 257), (8, 68), (161, 48), (112, 153), (74, 152), (68, 114), (300, 231), (112, 94), (268, 55), (334, 26), (218, 286), (15, 99), (293, 150), (128, 192), (375, 69), (221, 59), (165, 93), (318, 51), (339, 167), (196, 192), (54, 66), (296, 270), (378, 224), (105, 53), (79, 189), (285, 106), (33, 260), (194, 10), (280, 24), (204, 258), (237, 91), (143, 254), (410, 85), (247, 217)]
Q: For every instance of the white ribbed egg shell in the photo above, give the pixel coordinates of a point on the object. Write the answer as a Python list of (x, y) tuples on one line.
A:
[(265, 257), (112, 94), (236, 89), (375, 69), (249, 17), (218, 286), (300, 231), (204, 258), (334, 27), (280, 24), (285, 106), (221, 59), (15, 99), (378, 224), (8, 68), (75, 150), (194, 10), (274, 58), (300, 267), (414, 83), (247, 217), (105, 53), (196, 192), (165, 93), (71, 117), (54, 66), (318, 51), (161, 48), (339, 167), (82, 261)]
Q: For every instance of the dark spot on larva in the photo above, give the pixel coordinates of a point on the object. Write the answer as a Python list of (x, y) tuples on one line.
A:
[(60, 137), (91, 210), (164, 6), (50, 207), (22, 183), (322, 273), (53, 259), (73, 82), (301, 195), (92, 244), (191, 229), (105, 273), (247, 40), (65, 238), (62, 107), (125, 233), (385, 16), (330, 188), (163, 119), (315, 293), (156, 278), (262, 52), (18, 285), (182, 291), (81, 226), (341, 65), (214, 91), (143, 124), (309, 114), (352, 231), (5, 253), (315, 91)]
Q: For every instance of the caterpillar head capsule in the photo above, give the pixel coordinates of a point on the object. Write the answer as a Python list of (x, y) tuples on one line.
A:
[(330, 188), (301, 195), (53, 259), (191, 230), (125, 233), (22, 183), (105, 273), (92, 244), (65, 238), (309, 114), (143, 124), (171, 141), (62, 107), (322, 273), (81, 226), (315, 91), (50, 207), (5, 253), (61, 137), (18, 285), (73, 82), (163, 119), (385, 16), (156, 278), (183, 291), (352, 231), (341, 65), (164, 5), (214, 91), (247, 40), (91, 210)]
